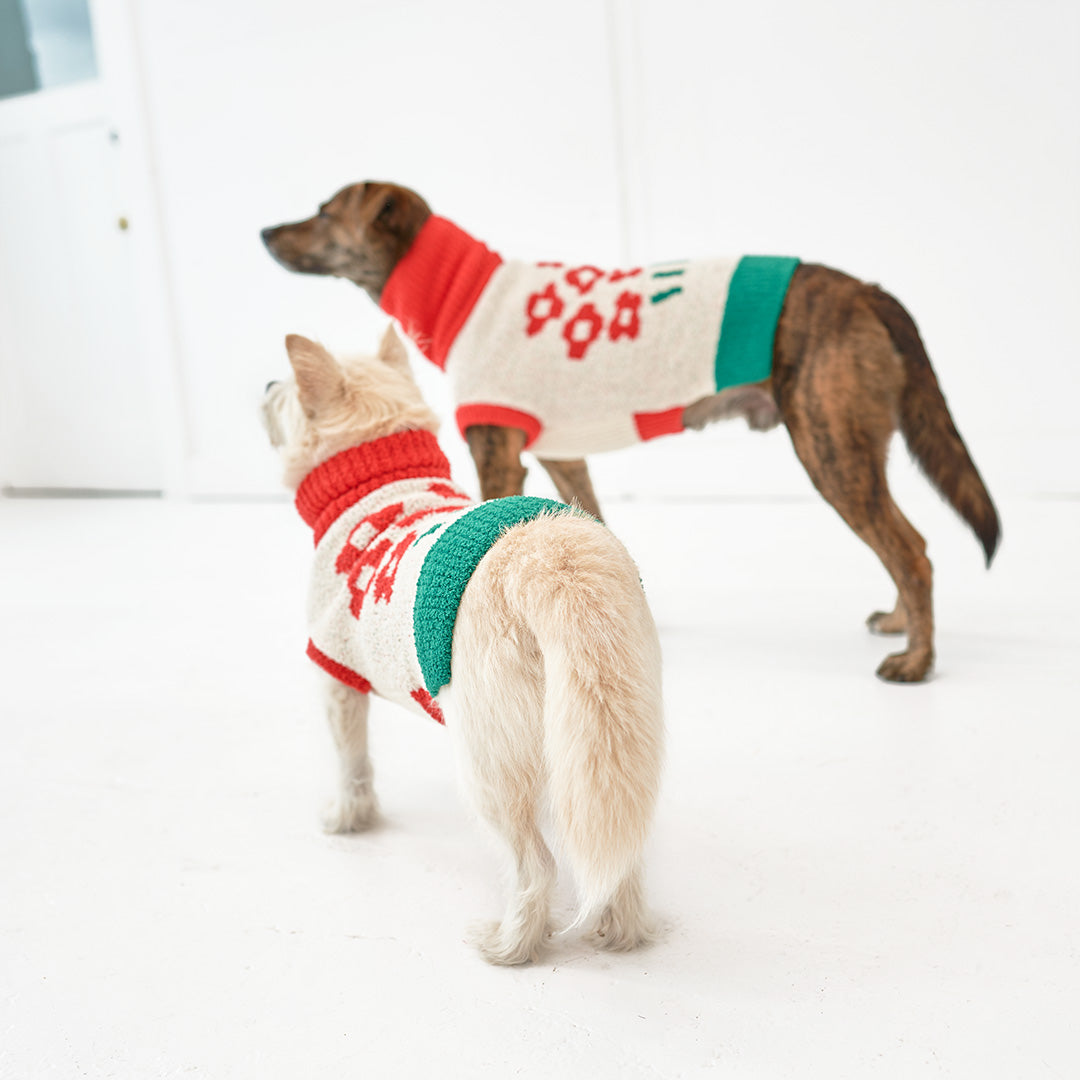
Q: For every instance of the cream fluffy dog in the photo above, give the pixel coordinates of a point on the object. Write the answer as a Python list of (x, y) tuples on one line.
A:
[(554, 664)]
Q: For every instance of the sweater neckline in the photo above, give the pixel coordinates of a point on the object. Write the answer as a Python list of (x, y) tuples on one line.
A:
[(343, 480), (436, 284)]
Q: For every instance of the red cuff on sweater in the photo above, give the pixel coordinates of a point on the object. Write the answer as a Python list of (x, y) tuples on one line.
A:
[(650, 425), (499, 416), (338, 671)]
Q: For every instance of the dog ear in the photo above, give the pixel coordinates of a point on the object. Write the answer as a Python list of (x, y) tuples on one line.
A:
[(392, 350), (381, 205), (391, 210), (319, 381)]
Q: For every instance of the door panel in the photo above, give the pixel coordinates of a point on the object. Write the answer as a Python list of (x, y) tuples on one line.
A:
[(76, 407)]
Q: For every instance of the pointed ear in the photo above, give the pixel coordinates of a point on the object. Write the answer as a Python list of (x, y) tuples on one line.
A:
[(392, 350), (319, 381)]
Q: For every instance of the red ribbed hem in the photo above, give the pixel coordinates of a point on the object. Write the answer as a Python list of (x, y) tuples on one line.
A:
[(338, 671), (342, 481), (499, 416), (436, 284), (652, 424), (429, 705)]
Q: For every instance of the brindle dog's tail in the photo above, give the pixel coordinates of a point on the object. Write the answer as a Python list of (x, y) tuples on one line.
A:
[(929, 430)]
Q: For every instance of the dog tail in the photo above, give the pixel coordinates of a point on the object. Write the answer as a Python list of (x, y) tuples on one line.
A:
[(929, 430), (603, 716)]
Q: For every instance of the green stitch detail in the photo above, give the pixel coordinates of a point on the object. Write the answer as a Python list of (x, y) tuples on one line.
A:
[(434, 528), (668, 273), (656, 298), (755, 298), (450, 564)]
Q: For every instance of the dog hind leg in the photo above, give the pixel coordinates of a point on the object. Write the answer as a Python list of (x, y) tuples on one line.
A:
[(625, 923), (839, 383), (850, 473), (498, 707), (754, 401), (517, 938), (355, 806)]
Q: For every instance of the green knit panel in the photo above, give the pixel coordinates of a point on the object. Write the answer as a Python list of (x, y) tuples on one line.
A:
[(447, 569), (755, 297)]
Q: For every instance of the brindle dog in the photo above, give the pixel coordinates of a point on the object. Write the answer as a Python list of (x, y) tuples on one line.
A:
[(849, 368)]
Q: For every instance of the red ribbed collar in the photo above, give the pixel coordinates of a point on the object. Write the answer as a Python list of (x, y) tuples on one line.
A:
[(342, 481), (436, 284)]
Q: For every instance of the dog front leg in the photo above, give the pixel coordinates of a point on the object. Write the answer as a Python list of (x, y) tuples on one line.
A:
[(355, 807), (571, 479), (496, 452)]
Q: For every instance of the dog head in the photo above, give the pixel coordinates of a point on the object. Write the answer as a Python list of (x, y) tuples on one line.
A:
[(360, 234), (327, 407)]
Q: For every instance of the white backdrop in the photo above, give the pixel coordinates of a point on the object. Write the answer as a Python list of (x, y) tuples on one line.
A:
[(930, 147)]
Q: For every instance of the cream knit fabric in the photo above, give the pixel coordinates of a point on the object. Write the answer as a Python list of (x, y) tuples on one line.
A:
[(584, 359), (363, 586), (586, 351), (395, 546)]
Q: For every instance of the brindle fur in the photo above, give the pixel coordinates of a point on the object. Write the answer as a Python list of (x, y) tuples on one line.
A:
[(496, 452), (571, 479), (849, 370), (359, 234)]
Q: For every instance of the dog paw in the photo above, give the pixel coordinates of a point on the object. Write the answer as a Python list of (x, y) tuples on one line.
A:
[(887, 622), (621, 930), (503, 949), (905, 667), (350, 812), (616, 940)]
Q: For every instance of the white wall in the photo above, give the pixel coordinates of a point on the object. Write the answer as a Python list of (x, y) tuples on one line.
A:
[(264, 109), (929, 146)]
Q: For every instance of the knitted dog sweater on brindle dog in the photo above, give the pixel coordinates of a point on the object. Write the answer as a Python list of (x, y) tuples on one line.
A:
[(395, 545), (583, 359)]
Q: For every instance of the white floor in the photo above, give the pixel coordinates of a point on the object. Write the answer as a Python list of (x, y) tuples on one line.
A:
[(858, 880)]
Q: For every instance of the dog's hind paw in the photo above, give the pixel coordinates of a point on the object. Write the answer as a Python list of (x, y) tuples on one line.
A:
[(623, 932), (887, 622), (625, 922), (505, 949), (351, 811), (905, 667)]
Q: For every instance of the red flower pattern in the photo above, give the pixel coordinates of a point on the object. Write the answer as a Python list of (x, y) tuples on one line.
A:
[(587, 323), (542, 307), (370, 556), (627, 321), (582, 330), (583, 278)]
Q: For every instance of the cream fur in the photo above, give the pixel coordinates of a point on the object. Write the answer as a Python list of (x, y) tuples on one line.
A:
[(328, 407), (555, 695)]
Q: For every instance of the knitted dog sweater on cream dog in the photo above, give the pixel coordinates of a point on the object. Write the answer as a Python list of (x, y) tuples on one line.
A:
[(395, 545), (583, 359)]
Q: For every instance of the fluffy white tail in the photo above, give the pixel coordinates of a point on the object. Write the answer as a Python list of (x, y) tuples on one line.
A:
[(556, 685), (603, 724)]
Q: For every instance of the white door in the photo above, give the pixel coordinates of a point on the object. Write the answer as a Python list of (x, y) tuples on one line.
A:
[(77, 398)]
